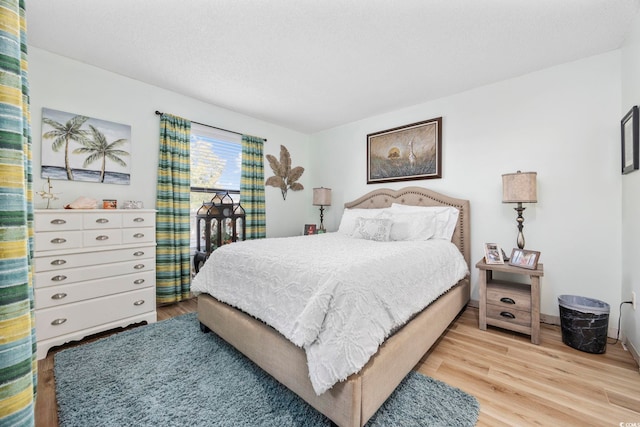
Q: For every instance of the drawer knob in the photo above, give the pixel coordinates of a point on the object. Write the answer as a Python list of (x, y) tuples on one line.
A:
[(138, 253), (58, 322), (138, 219), (507, 315), (102, 237), (58, 296), (59, 278), (139, 302), (507, 300), (138, 281), (138, 235), (102, 220), (138, 266), (58, 221), (58, 262), (58, 240)]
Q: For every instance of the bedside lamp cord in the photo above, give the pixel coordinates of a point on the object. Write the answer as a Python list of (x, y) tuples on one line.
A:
[(619, 318)]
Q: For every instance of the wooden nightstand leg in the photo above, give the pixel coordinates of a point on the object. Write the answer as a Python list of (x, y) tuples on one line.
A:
[(483, 300), (535, 309)]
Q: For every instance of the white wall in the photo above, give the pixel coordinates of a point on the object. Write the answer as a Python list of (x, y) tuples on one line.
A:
[(562, 122), (60, 83), (630, 191)]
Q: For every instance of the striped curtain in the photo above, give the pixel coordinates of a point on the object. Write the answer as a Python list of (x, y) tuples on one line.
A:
[(18, 362), (173, 275), (252, 186)]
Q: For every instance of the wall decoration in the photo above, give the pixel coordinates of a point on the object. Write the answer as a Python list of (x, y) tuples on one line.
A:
[(81, 148), (405, 153), (48, 195), (629, 131), (285, 177)]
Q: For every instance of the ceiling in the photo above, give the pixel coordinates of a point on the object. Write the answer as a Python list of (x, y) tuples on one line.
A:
[(311, 65)]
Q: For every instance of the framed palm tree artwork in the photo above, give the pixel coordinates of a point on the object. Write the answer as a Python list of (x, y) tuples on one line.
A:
[(81, 148)]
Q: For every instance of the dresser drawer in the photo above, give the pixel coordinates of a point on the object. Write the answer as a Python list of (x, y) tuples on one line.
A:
[(106, 237), (57, 221), (56, 240), (52, 296), (65, 261), (68, 318), (512, 296), (138, 235), (73, 275), (508, 315), (101, 219), (138, 219)]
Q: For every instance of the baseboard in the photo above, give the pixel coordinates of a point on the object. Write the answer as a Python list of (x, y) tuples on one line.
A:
[(633, 351)]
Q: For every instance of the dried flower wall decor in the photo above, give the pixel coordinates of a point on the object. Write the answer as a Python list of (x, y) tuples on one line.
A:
[(285, 177)]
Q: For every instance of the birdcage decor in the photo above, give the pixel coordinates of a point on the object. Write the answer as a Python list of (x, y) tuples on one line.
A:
[(218, 222)]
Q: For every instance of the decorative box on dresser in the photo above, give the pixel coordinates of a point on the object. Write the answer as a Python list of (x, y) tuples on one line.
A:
[(94, 270), (507, 304)]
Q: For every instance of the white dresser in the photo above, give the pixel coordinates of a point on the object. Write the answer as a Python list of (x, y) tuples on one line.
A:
[(94, 270)]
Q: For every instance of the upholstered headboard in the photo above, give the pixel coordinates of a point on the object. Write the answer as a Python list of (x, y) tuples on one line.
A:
[(418, 196)]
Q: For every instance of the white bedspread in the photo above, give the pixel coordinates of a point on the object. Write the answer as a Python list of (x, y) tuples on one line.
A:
[(335, 296)]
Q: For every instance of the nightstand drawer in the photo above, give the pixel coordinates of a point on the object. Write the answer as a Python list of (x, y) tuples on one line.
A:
[(508, 315), (509, 295)]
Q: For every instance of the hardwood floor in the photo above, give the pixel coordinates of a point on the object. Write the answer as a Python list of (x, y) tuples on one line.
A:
[(517, 383)]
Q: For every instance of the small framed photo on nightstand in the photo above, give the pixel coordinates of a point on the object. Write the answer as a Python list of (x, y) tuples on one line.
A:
[(310, 229), (524, 259), (493, 254)]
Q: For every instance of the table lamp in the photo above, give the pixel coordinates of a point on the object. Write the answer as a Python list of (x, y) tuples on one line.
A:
[(519, 187), (322, 198)]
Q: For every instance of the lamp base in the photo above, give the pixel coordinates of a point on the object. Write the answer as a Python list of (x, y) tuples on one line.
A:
[(520, 220), (321, 229)]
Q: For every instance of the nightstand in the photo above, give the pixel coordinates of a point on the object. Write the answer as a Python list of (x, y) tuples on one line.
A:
[(510, 305)]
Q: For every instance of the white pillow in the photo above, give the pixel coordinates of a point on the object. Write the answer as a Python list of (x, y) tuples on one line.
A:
[(446, 217), (349, 216), (377, 229), (412, 225)]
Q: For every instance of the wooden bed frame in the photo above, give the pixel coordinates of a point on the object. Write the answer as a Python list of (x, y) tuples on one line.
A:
[(352, 402)]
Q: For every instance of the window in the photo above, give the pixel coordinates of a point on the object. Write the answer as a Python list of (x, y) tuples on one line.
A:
[(216, 164)]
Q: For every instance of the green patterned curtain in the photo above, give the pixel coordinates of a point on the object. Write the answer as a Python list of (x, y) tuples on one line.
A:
[(252, 186), (18, 361), (173, 275)]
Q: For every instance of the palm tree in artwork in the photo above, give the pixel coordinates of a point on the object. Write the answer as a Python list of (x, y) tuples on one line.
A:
[(62, 134), (99, 149)]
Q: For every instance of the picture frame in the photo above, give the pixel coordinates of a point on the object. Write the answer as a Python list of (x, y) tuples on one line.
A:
[(524, 259), (73, 148), (629, 139), (405, 153), (310, 229), (493, 254)]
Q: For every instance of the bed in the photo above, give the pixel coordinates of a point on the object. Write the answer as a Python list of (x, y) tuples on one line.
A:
[(352, 401)]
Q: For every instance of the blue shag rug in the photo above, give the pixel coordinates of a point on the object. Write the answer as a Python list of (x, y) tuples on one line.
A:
[(171, 374)]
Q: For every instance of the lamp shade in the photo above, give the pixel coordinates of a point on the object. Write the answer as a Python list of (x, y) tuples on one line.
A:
[(519, 187), (322, 196)]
